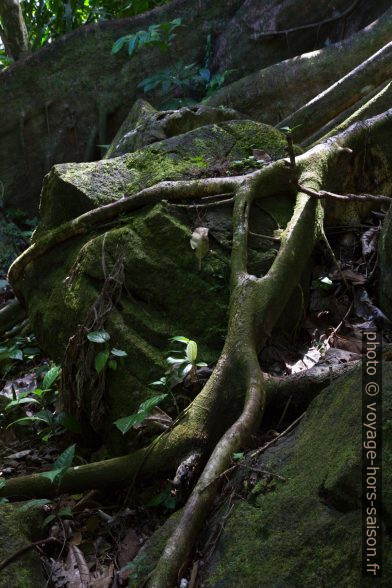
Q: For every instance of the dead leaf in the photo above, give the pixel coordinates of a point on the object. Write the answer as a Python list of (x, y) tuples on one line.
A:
[(77, 568), (350, 276), (129, 548), (369, 241), (261, 155)]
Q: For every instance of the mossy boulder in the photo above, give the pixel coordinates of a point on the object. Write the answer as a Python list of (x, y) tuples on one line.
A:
[(164, 293), (145, 125), (305, 529), (18, 529)]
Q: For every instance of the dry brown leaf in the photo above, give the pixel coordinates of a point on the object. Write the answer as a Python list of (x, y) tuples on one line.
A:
[(77, 568), (129, 548)]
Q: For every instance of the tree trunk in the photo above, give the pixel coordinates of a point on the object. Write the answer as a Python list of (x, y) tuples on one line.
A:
[(13, 31)]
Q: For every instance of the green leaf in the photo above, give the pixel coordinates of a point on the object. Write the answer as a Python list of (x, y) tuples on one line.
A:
[(112, 364), (175, 360), (51, 376), (118, 352), (2, 483), (180, 339), (65, 512), (38, 392), (34, 503), (101, 360), (69, 422), (202, 364), (26, 400), (16, 354), (48, 520), (98, 336), (52, 475), (126, 423), (191, 351), (117, 46), (237, 456), (66, 458), (29, 419)]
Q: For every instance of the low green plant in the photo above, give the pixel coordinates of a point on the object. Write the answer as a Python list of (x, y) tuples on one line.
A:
[(126, 423), (51, 421), (248, 163), (180, 84), (187, 363), (164, 498), (61, 465), (108, 357)]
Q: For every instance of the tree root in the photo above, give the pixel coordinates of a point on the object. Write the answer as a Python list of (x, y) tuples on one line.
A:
[(299, 79), (210, 425), (341, 95), (11, 315)]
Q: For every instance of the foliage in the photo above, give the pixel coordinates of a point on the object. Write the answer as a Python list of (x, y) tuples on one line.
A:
[(22, 348), (180, 367), (164, 499), (180, 84), (157, 35), (248, 163), (107, 356), (51, 421), (61, 465), (47, 20), (126, 423)]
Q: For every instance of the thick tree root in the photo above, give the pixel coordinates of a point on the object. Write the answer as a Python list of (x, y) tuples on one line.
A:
[(342, 94), (299, 79), (11, 315)]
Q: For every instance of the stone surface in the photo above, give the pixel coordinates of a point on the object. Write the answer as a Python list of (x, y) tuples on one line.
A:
[(16, 530), (306, 530)]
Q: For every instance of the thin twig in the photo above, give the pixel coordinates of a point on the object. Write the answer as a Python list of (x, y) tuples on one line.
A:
[(259, 471), (262, 449), (333, 256), (267, 237), (218, 477), (339, 325)]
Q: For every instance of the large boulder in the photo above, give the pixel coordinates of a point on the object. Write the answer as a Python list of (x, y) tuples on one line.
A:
[(164, 294), (300, 525)]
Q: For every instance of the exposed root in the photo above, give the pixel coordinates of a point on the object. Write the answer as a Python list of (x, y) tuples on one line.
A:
[(11, 315), (341, 95)]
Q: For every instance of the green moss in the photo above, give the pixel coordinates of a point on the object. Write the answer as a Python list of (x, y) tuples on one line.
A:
[(18, 529), (306, 531)]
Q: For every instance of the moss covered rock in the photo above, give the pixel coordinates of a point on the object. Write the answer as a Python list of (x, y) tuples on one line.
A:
[(18, 529), (164, 293), (305, 530)]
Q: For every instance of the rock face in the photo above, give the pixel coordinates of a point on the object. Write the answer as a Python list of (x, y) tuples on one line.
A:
[(65, 100), (305, 530), (164, 294), (16, 531)]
